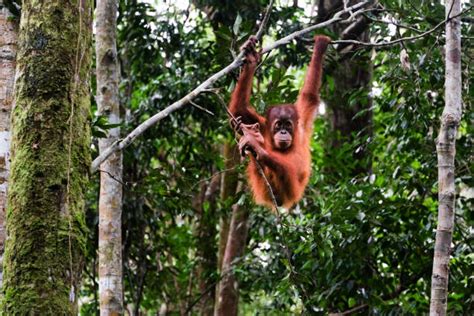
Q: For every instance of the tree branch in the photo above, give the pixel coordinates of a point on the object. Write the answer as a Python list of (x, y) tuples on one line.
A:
[(140, 129), (266, 17), (336, 18)]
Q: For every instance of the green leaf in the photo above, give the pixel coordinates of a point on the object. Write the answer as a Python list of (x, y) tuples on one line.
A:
[(352, 302), (237, 23)]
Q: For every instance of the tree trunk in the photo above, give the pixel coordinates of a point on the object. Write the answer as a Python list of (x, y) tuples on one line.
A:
[(110, 200), (228, 189), (50, 159), (8, 40), (228, 295), (446, 150), (206, 246)]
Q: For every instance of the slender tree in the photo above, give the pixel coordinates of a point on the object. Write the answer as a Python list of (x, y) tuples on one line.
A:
[(8, 40), (110, 200), (229, 181), (50, 159), (446, 150), (228, 291)]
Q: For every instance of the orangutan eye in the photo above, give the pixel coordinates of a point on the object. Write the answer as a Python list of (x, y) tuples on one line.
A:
[(278, 125)]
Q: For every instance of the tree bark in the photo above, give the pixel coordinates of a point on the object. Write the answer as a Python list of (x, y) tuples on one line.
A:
[(228, 295), (8, 47), (110, 199), (446, 151), (229, 181), (50, 159)]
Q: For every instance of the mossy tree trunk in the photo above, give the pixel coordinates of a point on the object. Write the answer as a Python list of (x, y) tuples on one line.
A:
[(110, 200), (8, 47), (446, 149), (50, 159)]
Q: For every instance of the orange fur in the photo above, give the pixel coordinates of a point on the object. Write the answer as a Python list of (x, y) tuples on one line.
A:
[(286, 170)]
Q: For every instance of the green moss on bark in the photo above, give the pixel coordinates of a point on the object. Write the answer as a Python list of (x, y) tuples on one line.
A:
[(48, 176)]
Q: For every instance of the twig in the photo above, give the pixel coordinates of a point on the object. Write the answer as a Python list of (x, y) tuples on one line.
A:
[(222, 102), (113, 177), (140, 129), (218, 96), (201, 108), (269, 187), (213, 175)]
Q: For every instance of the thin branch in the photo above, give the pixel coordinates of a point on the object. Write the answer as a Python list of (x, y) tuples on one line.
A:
[(403, 26), (201, 108), (402, 39), (140, 129), (355, 309), (270, 189), (113, 177), (215, 91)]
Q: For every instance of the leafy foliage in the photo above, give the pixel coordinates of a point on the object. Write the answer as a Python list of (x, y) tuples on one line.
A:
[(356, 241)]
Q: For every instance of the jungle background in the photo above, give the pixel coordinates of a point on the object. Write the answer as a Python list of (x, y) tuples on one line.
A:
[(364, 232)]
